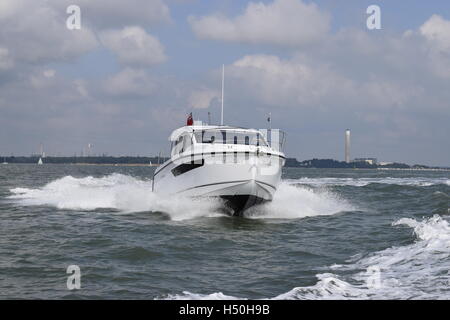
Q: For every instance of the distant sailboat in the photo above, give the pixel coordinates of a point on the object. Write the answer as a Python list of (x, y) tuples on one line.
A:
[(4, 161), (40, 161)]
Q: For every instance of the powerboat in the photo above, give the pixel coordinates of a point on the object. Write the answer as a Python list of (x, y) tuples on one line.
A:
[(241, 166)]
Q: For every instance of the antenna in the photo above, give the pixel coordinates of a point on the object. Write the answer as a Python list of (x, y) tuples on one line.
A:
[(223, 81)]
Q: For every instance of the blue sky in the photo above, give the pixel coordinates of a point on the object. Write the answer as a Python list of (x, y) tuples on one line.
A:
[(135, 69)]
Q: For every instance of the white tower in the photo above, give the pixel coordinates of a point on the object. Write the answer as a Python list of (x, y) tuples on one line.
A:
[(347, 146)]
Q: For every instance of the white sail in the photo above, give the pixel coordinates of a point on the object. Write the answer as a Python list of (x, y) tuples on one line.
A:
[(40, 161)]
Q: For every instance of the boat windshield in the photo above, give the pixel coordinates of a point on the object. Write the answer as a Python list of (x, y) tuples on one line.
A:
[(230, 137)]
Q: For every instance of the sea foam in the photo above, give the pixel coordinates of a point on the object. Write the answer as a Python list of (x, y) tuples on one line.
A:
[(121, 193), (125, 194), (293, 202)]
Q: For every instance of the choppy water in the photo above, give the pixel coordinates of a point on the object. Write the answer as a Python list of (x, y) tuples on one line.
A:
[(328, 234)]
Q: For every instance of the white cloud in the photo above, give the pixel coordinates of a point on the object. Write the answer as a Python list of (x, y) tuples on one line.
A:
[(36, 32), (119, 13), (282, 22), (134, 46), (81, 87), (437, 29), (10, 7), (201, 99), (130, 82), (49, 73), (287, 83), (311, 85)]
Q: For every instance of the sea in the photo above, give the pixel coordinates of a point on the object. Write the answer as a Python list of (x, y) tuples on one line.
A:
[(328, 234)]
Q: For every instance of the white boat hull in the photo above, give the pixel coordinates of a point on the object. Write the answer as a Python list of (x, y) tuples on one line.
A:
[(241, 181)]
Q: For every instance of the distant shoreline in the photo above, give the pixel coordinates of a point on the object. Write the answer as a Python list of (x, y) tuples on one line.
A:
[(156, 165), (112, 164), (88, 164), (135, 161)]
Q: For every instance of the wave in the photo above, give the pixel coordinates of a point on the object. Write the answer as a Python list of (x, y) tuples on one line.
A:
[(118, 192), (416, 271), (293, 202), (128, 194), (361, 182), (186, 295)]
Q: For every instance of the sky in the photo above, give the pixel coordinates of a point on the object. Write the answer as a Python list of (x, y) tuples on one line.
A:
[(134, 70)]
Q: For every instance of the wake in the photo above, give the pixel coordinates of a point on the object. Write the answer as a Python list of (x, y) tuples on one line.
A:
[(126, 194), (416, 271)]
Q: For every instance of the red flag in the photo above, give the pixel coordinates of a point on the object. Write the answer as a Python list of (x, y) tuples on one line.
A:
[(190, 121)]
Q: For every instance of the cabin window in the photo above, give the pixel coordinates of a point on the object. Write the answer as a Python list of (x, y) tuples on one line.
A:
[(247, 140), (180, 144), (235, 140), (198, 135), (186, 143), (177, 146), (185, 167)]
